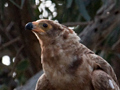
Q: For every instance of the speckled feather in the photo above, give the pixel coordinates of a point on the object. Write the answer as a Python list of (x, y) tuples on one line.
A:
[(68, 64)]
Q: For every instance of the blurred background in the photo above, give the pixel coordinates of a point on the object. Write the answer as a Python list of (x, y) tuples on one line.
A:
[(97, 22)]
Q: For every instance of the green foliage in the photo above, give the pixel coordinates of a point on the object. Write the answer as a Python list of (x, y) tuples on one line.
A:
[(21, 70), (69, 3), (82, 9), (3, 87), (23, 65), (92, 7), (21, 78)]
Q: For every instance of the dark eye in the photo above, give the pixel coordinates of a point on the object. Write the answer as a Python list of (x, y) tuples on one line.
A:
[(45, 25)]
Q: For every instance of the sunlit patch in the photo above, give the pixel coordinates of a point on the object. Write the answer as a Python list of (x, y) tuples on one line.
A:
[(6, 60), (48, 3), (111, 84), (43, 6), (6, 4), (56, 21), (71, 28), (37, 2), (54, 14), (14, 74), (13, 59), (108, 13)]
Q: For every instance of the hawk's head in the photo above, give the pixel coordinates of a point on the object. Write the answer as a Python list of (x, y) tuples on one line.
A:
[(48, 31)]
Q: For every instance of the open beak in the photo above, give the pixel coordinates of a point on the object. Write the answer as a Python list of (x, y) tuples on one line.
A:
[(33, 26)]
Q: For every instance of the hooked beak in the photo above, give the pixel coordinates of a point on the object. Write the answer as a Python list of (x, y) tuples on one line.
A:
[(33, 26), (29, 26)]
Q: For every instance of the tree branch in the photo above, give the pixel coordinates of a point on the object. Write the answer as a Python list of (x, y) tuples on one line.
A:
[(16, 60), (9, 43), (9, 26), (102, 26), (71, 24), (31, 83)]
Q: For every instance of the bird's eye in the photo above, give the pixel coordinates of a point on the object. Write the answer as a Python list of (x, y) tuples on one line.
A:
[(45, 25)]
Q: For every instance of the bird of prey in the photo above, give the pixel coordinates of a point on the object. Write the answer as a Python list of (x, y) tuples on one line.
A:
[(68, 64)]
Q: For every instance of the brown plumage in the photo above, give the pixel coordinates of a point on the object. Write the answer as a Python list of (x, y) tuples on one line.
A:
[(68, 64)]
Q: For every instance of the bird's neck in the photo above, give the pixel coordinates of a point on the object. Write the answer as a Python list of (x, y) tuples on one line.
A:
[(57, 55), (61, 59), (59, 47)]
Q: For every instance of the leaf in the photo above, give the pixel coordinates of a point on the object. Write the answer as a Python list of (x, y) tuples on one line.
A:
[(19, 6), (69, 3), (22, 3), (82, 9), (23, 65), (15, 4), (105, 2), (2, 2), (22, 79)]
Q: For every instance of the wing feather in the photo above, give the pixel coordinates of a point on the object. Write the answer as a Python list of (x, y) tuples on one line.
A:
[(43, 83), (100, 63), (103, 81)]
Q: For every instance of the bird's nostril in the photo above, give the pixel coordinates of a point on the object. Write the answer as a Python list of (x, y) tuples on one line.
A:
[(29, 26)]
